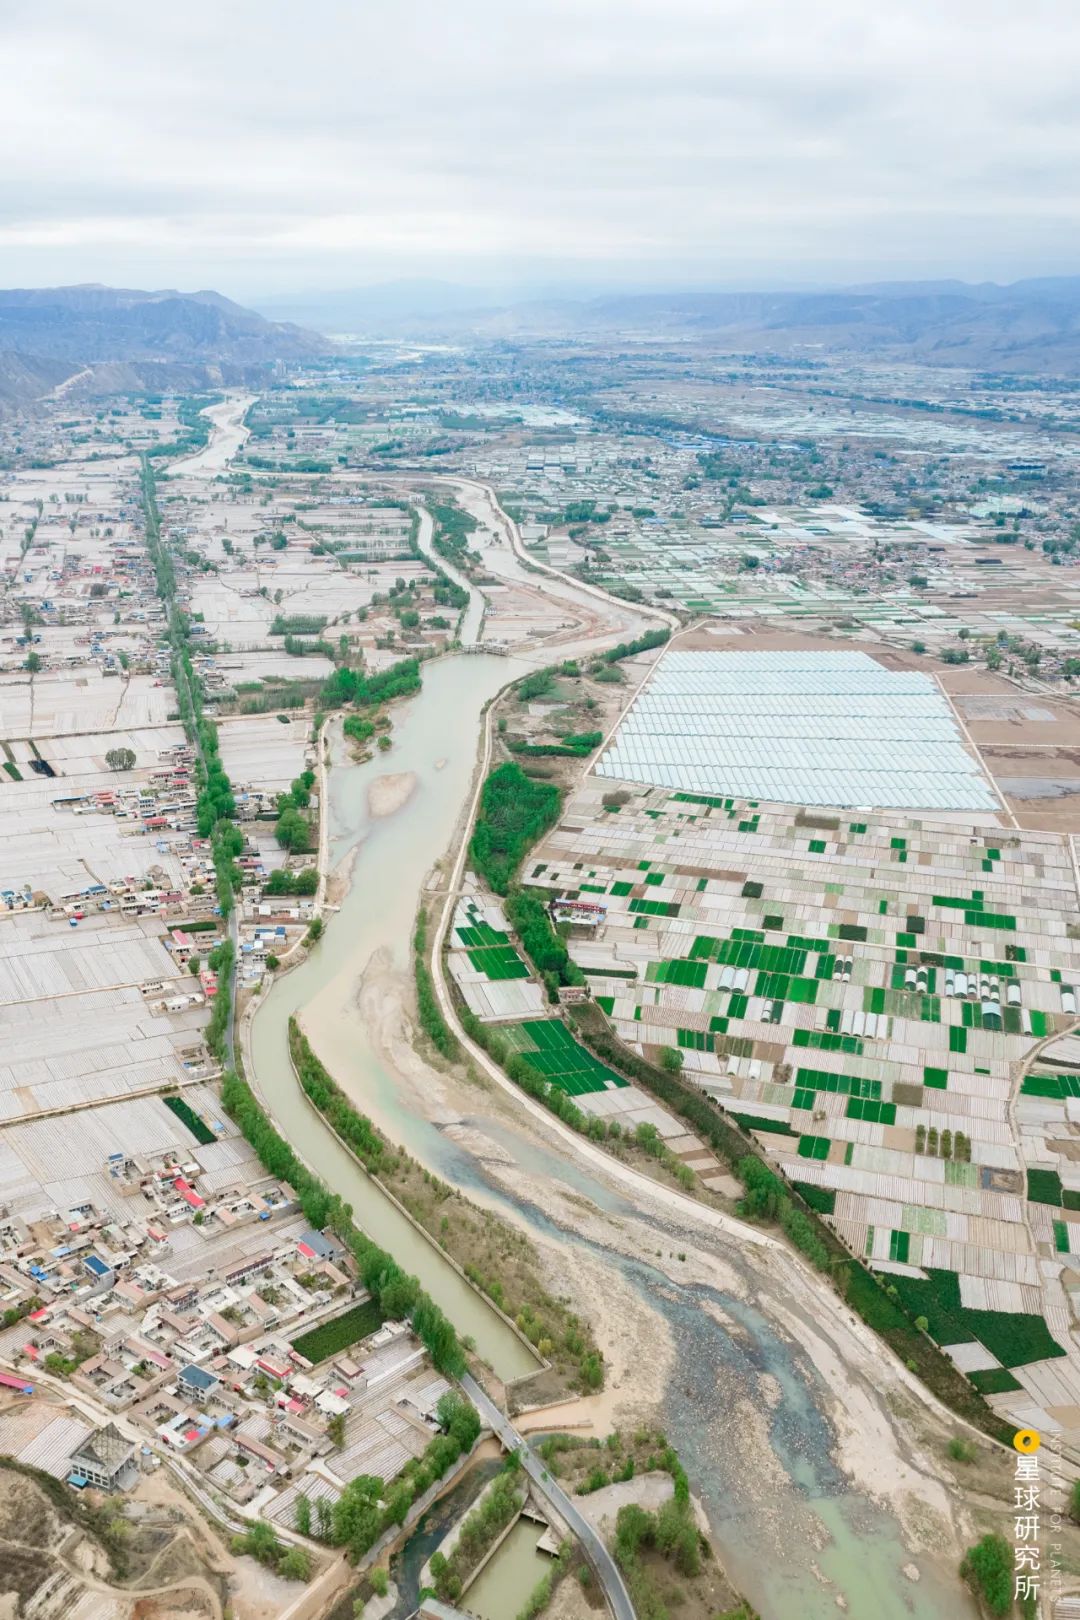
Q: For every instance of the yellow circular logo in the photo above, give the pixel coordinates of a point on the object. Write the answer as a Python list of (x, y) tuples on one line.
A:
[(1027, 1441)]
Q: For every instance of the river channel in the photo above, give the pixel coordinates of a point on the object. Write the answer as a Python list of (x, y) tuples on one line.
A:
[(824, 1519)]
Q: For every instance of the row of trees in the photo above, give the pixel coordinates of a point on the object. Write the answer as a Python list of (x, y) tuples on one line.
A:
[(215, 803), (574, 745), (640, 644), (432, 1021), (215, 806), (353, 1127), (398, 1295)]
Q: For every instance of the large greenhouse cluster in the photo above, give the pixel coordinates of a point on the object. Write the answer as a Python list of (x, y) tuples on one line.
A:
[(822, 728)]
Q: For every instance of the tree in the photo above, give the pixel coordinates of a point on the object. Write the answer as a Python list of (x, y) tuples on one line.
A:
[(459, 1418), (380, 1582), (398, 1296), (671, 1058), (193, 966), (295, 1565), (262, 1543), (1074, 1500), (120, 759), (356, 1513), (292, 830), (988, 1569), (336, 1429), (303, 1515), (33, 663)]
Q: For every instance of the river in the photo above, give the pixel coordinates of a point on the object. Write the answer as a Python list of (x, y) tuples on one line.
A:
[(819, 1533), (375, 921), (473, 617), (227, 434)]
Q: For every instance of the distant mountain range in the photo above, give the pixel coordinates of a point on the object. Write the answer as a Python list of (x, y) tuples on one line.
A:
[(1027, 326), (107, 339), (121, 338)]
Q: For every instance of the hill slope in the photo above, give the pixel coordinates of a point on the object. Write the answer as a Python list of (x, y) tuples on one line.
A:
[(94, 323)]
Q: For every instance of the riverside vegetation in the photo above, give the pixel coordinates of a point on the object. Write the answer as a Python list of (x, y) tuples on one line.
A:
[(495, 1257), (666, 1562), (500, 1504)]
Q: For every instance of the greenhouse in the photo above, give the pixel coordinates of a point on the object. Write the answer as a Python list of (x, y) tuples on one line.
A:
[(827, 728)]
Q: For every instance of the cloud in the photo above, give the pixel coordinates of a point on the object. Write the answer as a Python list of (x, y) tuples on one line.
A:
[(262, 143)]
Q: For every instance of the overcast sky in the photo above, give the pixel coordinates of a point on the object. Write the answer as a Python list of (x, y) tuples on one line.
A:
[(267, 147)]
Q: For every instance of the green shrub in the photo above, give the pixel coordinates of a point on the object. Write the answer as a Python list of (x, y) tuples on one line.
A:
[(988, 1569)]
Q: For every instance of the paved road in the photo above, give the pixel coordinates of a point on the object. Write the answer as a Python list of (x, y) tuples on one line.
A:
[(607, 1570)]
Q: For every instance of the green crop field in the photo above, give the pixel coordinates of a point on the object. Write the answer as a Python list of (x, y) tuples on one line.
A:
[(548, 1047), (994, 1381), (1044, 1187), (183, 1111), (499, 962), (339, 1333), (479, 933), (490, 950), (1013, 1339)]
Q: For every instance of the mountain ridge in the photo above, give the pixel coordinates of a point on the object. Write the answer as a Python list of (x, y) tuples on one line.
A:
[(1032, 324), (124, 337)]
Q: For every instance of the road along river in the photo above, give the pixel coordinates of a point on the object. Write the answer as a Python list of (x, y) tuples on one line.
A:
[(783, 1414)]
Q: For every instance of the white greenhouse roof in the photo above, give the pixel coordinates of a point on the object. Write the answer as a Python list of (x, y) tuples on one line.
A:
[(828, 728)]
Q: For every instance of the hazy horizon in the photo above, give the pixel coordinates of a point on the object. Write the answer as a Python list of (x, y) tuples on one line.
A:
[(664, 142)]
